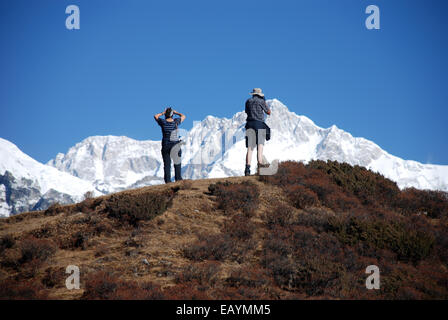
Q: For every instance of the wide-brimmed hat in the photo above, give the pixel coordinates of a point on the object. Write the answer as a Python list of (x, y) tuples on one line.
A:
[(257, 91)]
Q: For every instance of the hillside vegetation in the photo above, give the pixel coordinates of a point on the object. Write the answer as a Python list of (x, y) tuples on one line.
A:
[(308, 232)]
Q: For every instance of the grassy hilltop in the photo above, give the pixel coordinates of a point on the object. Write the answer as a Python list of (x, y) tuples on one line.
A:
[(308, 232)]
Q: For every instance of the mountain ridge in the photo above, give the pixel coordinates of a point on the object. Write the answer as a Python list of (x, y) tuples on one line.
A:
[(26, 184), (213, 148)]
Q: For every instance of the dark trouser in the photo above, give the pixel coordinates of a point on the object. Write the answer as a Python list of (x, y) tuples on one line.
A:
[(166, 150)]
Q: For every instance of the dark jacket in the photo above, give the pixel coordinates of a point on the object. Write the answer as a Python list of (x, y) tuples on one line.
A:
[(257, 125), (256, 108)]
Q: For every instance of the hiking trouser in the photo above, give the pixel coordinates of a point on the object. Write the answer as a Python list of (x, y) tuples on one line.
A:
[(166, 155)]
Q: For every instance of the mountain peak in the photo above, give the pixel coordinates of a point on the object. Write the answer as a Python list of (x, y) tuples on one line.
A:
[(25, 182), (214, 147)]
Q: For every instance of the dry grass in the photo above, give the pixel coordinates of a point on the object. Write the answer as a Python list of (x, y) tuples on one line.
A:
[(234, 238), (88, 237)]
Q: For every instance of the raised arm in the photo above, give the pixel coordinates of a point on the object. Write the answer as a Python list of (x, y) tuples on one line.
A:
[(182, 116), (156, 116)]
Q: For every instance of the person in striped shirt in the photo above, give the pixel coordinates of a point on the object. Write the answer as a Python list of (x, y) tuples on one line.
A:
[(170, 139)]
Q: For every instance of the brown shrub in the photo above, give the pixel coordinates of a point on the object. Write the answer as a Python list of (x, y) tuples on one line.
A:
[(239, 227), (29, 269), (374, 190), (343, 187), (409, 243), (88, 205), (54, 277), (316, 218), (54, 209), (305, 262), (277, 254), (100, 286), (131, 290), (10, 258), (323, 253), (301, 197), (307, 185), (282, 268), (369, 187), (219, 247), (282, 215), (234, 197), (432, 203), (203, 273), (187, 291), (288, 173), (80, 240), (134, 208), (21, 290), (28, 256), (244, 293), (214, 247), (341, 202), (36, 249), (442, 244), (103, 227), (397, 283), (321, 185), (317, 276), (277, 244), (104, 286), (45, 231), (248, 276), (7, 242)]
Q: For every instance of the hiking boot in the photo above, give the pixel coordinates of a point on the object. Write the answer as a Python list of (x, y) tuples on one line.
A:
[(247, 171)]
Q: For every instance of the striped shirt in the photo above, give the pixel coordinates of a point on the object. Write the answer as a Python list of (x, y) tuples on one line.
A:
[(169, 131)]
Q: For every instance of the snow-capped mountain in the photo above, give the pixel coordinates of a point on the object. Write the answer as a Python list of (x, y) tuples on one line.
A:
[(113, 163), (26, 184), (296, 137), (215, 147)]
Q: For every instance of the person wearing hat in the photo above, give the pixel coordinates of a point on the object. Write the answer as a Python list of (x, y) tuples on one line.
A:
[(169, 140), (257, 132)]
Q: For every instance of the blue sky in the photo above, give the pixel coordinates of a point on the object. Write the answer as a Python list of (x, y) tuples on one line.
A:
[(130, 59)]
